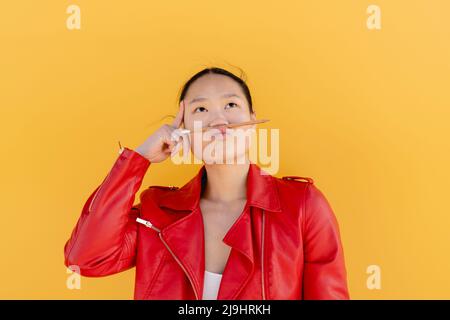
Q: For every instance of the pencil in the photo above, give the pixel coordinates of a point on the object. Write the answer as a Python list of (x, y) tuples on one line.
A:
[(230, 125)]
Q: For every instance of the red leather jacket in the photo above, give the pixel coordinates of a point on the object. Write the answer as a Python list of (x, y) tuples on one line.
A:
[(285, 244)]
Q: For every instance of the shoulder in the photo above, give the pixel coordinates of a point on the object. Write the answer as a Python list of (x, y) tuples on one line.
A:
[(291, 184), (292, 191), (296, 179), (156, 191), (162, 188), (302, 191), (308, 199), (305, 185)]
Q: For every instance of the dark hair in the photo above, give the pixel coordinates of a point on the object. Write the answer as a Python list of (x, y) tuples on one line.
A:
[(214, 70)]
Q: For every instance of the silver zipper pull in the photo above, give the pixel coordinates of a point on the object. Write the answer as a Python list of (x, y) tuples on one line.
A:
[(144, 222)]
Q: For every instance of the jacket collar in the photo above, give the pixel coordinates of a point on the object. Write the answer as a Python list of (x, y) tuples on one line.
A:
[(262, 191), (185, 235)]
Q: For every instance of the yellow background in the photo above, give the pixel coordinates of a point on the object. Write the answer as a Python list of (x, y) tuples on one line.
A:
[(365, 113)]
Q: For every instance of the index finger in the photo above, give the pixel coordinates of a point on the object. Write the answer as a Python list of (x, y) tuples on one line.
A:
[(179, 117)]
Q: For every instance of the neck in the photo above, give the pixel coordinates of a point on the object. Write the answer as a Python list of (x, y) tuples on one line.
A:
[(226, 182)]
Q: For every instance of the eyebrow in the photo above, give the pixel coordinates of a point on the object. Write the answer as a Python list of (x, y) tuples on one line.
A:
[(227, 95)]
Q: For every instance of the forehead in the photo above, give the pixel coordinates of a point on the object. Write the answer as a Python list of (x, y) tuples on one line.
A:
[(213, 86)]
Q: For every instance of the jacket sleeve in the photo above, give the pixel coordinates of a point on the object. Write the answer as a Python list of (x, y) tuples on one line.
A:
[(324, 274), (103, 241)]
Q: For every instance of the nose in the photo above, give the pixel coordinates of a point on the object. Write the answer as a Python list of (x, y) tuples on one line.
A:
[(218, 120), (218, 123)]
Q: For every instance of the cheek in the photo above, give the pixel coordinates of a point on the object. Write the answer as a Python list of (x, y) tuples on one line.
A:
[(190, 121), (240, 116)]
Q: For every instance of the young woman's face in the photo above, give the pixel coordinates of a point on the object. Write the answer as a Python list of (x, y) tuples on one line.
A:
[(218, 100)]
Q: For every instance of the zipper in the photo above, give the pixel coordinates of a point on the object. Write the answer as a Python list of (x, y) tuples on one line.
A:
[(150, 225), (262, 257), (147, 224), (181, 265)]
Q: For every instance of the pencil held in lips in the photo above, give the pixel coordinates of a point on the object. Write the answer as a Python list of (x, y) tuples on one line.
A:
[(230, 125), (233, 125)]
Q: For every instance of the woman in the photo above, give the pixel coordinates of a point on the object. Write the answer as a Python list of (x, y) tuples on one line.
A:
[(232, 232)]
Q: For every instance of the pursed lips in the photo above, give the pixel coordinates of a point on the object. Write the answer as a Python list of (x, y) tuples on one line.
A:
[(220, 132)]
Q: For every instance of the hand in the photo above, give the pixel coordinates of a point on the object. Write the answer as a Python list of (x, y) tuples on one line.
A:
[(164, 141)]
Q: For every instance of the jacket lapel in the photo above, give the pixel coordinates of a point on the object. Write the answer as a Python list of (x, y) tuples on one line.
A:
[(185, 236), (240, 263)]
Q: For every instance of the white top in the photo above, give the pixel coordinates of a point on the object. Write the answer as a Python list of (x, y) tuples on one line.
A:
[(211, 285)]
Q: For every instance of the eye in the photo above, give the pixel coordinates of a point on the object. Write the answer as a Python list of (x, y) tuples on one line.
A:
[(232, 103), (199, 108)]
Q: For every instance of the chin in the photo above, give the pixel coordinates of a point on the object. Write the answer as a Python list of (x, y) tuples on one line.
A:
[(226, 160)]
